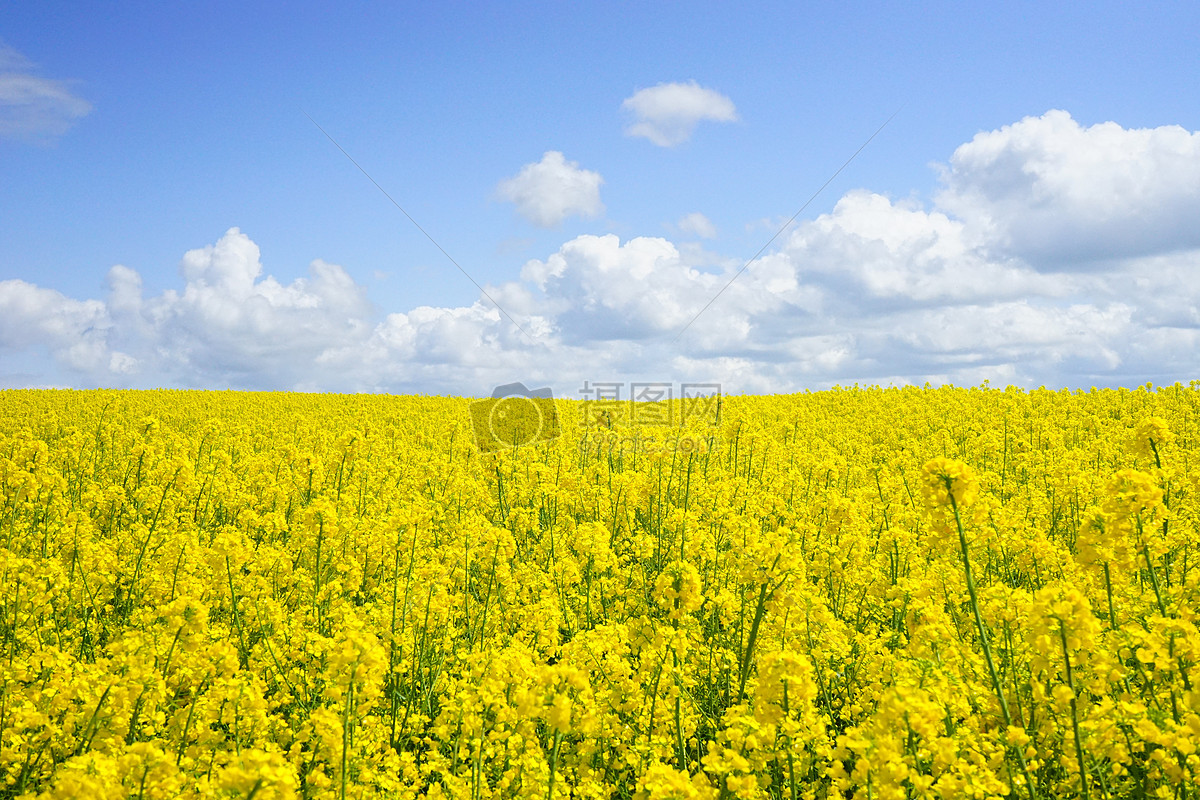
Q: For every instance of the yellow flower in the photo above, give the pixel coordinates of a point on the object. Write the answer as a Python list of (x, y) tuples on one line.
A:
[(664, 782), (944, 478), (678, 589), (1150, 437), (559, 713)]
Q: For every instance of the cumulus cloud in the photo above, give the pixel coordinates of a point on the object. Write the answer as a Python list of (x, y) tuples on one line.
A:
[(606, 290), (1053, 192), (229, 326), (74, 331), (667, 114), (698, 225), (548, 191), (881, 254), (875, 291), (230, 321), (34, 108)]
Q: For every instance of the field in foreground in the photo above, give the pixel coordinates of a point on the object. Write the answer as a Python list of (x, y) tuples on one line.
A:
[(868, 593)]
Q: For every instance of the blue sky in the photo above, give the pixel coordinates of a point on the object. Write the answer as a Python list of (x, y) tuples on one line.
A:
[(1028, 216)]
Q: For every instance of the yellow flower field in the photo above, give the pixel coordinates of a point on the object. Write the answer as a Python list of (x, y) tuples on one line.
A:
[(857, 593)]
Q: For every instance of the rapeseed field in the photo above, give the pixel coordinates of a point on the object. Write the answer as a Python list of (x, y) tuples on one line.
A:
[(868, 593)]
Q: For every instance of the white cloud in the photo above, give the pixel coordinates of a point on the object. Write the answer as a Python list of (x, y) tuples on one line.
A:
[(229, 322), (1020, 330), (550, 190), (878, 253), (667, 114), (698, 225), (74, 332), (228, 327), (1053, 192), (609, 290), (34, 108), (875, 291)]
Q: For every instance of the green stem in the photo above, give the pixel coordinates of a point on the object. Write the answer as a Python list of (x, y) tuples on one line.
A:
[(790, 757), (553, 765), (681, 753), (346, 717), (1112, 614), (983, 639), (1083, 782)]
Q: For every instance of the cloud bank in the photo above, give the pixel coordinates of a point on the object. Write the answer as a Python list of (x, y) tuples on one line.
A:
[(1052, 192), (1000, 278)]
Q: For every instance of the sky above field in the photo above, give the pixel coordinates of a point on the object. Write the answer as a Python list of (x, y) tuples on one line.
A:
[(209, 195)]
